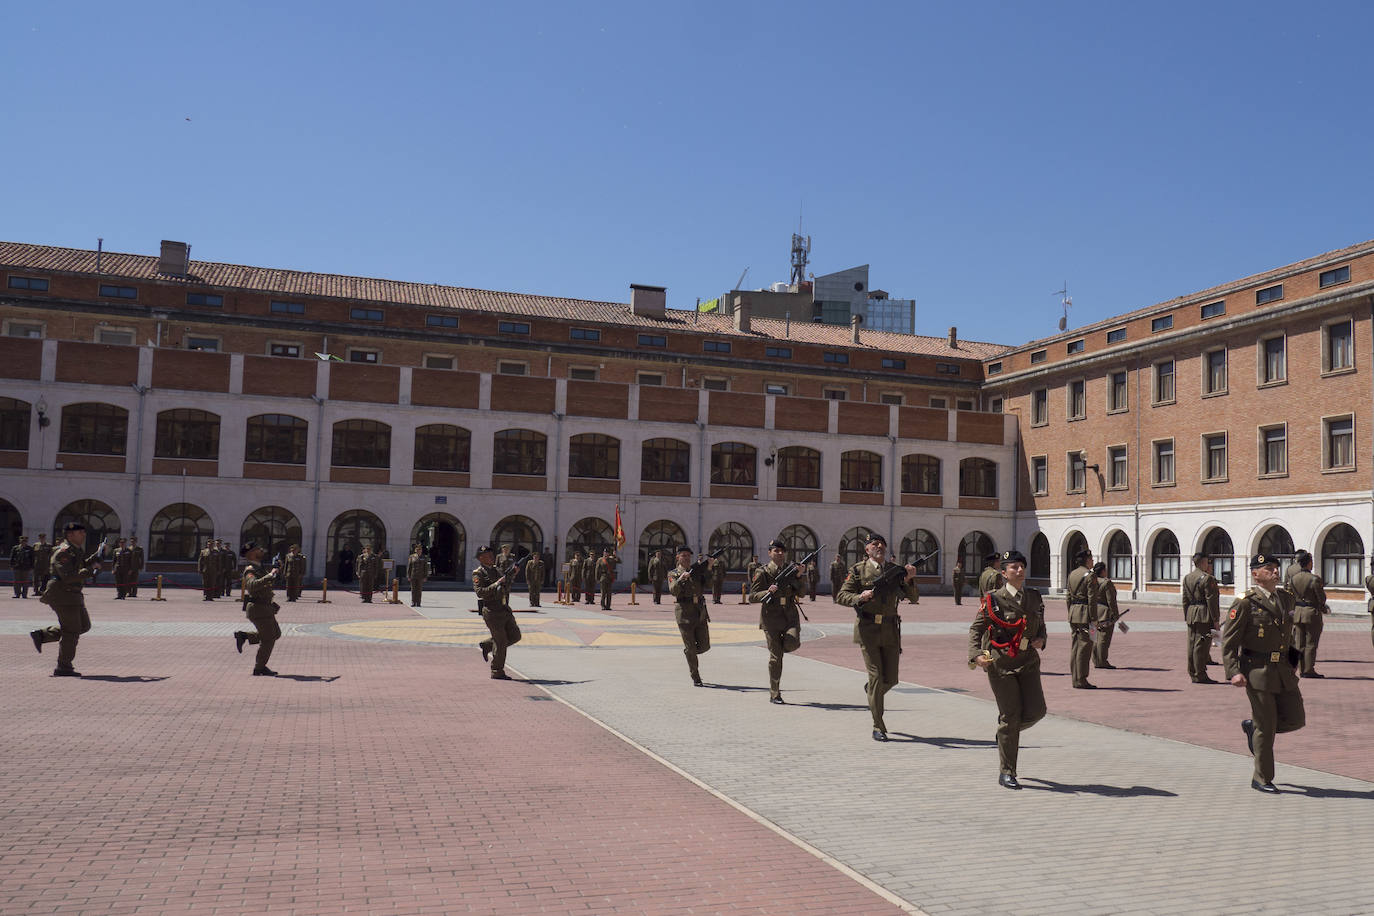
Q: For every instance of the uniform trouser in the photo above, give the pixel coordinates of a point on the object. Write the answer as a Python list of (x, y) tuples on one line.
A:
[(835, 589), (40, 581), (1106, 626), (1199, 649), (696, 640), (534, 596), (207, 585), (775, 654), (505, 632), (21, 582), (1080, 652), (959, 593), (605, 596), (658, 591), (813, 590), (881, 663), (293, 589), (576, 590), (365, 588), (590, 592), (268, 632), (717, 591), (122, 577), (1305, 639), (71, 623), (1020, 704), (417, 591), (1273, 714), (133, 583)]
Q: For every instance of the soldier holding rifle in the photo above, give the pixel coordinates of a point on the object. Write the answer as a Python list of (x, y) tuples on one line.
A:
[(490, 586), (259, 608), (67, 577), (777, 587), (687, 584)]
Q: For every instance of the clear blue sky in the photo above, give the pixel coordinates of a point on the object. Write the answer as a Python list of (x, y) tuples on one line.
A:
[(977, 155)]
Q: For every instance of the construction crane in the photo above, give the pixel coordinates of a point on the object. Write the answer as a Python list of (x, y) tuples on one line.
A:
[(739, 284)]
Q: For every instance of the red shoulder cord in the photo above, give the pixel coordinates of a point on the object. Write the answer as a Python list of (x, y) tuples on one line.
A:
[(1013, 644)]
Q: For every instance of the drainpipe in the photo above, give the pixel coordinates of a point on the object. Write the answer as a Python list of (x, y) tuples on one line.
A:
[(138, 455), (557, 465), (702, 479), (319, 465), (1138, 586), (892, 490)]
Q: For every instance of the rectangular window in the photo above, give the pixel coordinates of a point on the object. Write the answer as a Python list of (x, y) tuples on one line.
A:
[(1274, 450), (207, 300), (37, 284), (1077, 399), (891, 363), (18, 329), (1164, 382), (116, 336), (890, 399), (1214, 309), (592, 334), (1269, 294), (437, 361), (582, 374), (1164, 462), (1340, 443), (284, 349), (778, 352), (513, 327), (1334, 277), (1273, 361), (1040, 474), (1116, 335), (715, 384), (774, 388), (841, 359), (995, 405), (939, 403), (649, 378), (715, 346), (1116, 460), (364, 356), (110, 291), (287, 308), (1340, 347), (994, 368), (962, 404), (1162, 323), (1214, 456), (1040, 407), (1116, 392), (1074, 346), (836, 394), (652, 340), (506, 367), (1214, 368), (1038, 356), (208, 344), (1078, 472), (947, 368), (441, 321)]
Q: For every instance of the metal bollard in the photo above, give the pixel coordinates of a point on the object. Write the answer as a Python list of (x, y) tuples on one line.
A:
[(158, 596), (633, 585), (324, 592)]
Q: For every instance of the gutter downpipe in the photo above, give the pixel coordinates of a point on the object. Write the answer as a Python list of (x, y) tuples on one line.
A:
[(319, 465), (892, 490), (701, 485), (1138, 586), (557, 464), (138, 455)]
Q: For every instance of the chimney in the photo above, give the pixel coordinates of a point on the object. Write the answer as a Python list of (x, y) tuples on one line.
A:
[(741, 314), (854, 322), (954, 338), (648, 301), (175, 260)]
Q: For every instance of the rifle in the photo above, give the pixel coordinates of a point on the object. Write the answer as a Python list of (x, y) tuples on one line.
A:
[(700, 566), (789, 574), (889, 581)]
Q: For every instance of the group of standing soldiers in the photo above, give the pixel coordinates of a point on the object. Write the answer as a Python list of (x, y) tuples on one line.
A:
[(217, 566), (29, 564), (586, 574)]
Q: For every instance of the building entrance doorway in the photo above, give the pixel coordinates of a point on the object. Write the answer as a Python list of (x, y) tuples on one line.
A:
[(444, 542)]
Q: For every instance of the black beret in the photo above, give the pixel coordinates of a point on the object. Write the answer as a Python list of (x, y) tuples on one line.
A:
[(876, 538), (1082, 555), (247, 546), (1263, 559), (683, 549), (1012, 556), (776, 542), (73, 526), (485, 548)]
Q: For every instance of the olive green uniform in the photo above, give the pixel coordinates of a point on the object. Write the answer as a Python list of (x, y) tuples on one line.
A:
[(1014, 674), (1309, 593), (989, 580), (749, 569), (534, 578), (368, 565), (958, 582), (123, 571), (589, 579), (261, 612), (693, 621), (1107, 615), (605, 577), (207, 564), (505, 562), (66, 579), (42, 564), (657, 575), (417, 571), (813, 579), (228, 566), (293, 570), (1082, 600), (1254, 642), (574, 579), (1202, 614), (877, 631), (837, 572), (1369, 587), (496, 613), (778, 618), (21, 565), (718, 582)]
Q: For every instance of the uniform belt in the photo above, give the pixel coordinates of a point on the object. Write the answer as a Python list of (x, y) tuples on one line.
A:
[(1305, 604), (1261, 656)]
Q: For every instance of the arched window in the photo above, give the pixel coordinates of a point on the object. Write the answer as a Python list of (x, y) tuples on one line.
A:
[(1164, 560), (917, 544), (275, 438), (973, 548), (521, 533), (361, 444), (94, 429), (738, 544), (11, 525), (444, 541), (1120, 561), (852, 542), (1277, 542), (352, 531), (102, 524), (1075, 544), (978, 477), (1217, 545), (921, 474), (591, 536), (665, 461), (519, 451), (178, 533), (273, 528), (735, 464), (14, 424), (799, 467), (800, 540), (861, 471), (660, 535), (186, 433), (442, 447), (1343, 557), (594, 455), (1039, 557)]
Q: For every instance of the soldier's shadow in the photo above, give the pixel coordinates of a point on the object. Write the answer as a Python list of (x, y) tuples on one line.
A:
[(552, 682), (832, 706), (1317, 792), (124, 678), (739, 688), (1097, 789), (934, 741), (1141, 689), (1137, 668), (319, 678), (1348, 677)]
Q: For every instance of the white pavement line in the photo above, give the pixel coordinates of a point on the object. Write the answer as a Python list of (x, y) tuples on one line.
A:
[(797, 841)]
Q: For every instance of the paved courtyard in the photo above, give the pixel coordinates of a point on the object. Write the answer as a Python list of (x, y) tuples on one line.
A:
[(385, 773)]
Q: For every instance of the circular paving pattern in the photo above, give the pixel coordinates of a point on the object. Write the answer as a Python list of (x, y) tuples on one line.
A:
[(558, 632)]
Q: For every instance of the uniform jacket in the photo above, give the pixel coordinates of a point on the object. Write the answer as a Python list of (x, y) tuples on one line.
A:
[(1255, 640), (989, 580), (257, 585), (837, 572), (1010, 608), (491, 598), (207, 564), (1369, 587), (589, 574), (42, 558), (1201, 600), (605, 570), (417, 570), (575, 571), (137, 551), (878, 622), (1309, 595), (689, 596), (813, 575), (67, 577), (1107, 611), (1082, 596), (123, 563), (782, 613), (293, 567), (718, 574), (534, 573), (655, 572), (21, 557)]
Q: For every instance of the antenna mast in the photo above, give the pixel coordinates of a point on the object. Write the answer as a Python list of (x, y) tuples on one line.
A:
[(1067, 302), (801, 253)]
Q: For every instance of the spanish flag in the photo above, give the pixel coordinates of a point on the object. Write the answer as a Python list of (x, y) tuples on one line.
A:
[(619, 529)]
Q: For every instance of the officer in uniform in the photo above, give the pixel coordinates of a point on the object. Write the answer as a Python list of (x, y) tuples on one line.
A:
[(138, 565), (293, 571), (575, 576), (207, 564), (367, 575), (589, 576), (958, 581), (1309, 593), (878, 629), (1202, 614), (837, 572), (1368, 586), (749, 569), (1004, 641), (605, 577), (260, 609), (813, 578), (657, 574), (123, 569), (42, 563), (778, 612), (490, 588), (1107, 616), (534, 578), (1255, 647), (21, 564), (229, 567), (693, 621), (989, 579), (718, 580), (417, 571), (1082, 600), (505, 562), (67, 577)]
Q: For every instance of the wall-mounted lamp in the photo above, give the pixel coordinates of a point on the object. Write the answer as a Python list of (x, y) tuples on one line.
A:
[(1096, 469), (42, 408)]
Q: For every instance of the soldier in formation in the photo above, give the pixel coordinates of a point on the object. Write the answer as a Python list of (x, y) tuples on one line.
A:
[(989, 579), (367, 573), (21, 566), (1202, 614), (260, 609), (505, 562), (293, 571), (749, 569), (207, 564), (136, 569), (689, 608), (605, 577), (1082, 600), (1004, 641), (417, 571), (589, 577), (228, 567), (813, 578), (1368, 586), (490, 587), (534, 578), (123, 569), (878, 628), (1309, 593), (957, 581), (837, 572), (70, 570), (718, 580), (42, 564), (1107, 615), (1256, 644), (657, 575), (778, 612), (575, 577)]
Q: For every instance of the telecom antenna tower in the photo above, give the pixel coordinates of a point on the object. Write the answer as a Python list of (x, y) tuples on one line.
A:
[(801, 253)]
